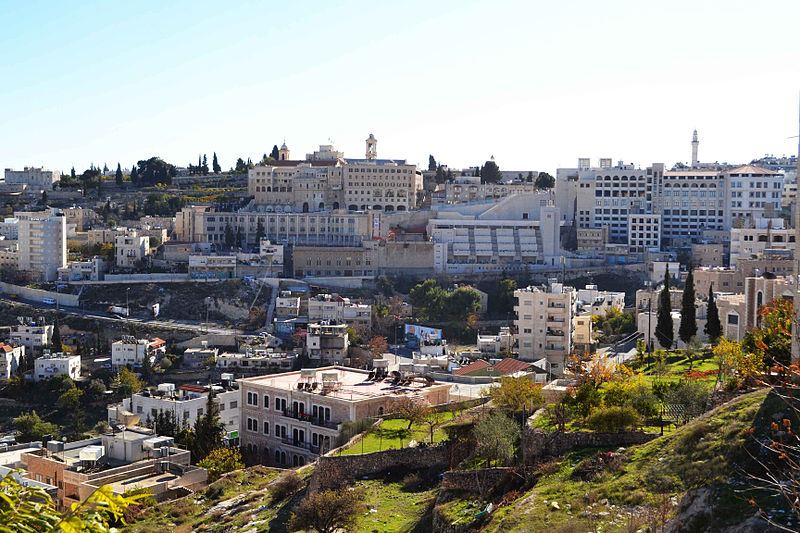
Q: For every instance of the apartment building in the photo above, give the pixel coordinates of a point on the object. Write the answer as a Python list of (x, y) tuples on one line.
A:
[(289, 419), (132, 351), (9, 256), (593, 239), (598, 303), (10, 358), (720, 278), (187, 403), (693, 200), (327, 342), (465, 189), (313, 261), (259, 360), (504, 236), (752, 243), (753, 192), (33, 336), (91, 270), (54, 364), (212, 266), (9, 228), (708, 254), (130, 249), (37, 178), (42, 243), (644, 233), (544, 324), (333, 307)]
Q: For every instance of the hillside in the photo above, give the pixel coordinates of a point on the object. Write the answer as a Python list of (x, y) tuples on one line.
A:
[(586, 490)]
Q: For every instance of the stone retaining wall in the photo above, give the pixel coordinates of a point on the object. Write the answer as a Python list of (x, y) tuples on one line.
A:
[(480, 480), (538, 444), (334, 471)]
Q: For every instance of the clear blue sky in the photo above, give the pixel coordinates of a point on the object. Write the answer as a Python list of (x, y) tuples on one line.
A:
[(536, 84)]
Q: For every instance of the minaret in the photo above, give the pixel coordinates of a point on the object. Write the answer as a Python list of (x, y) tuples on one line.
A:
[(372, 147), (695, 144)]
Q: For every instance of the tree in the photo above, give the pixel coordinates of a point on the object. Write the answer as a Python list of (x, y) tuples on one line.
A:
[(772, 339), (55, 341), (688, 327), (72, 174), (221, 461), (664, 329), (134, 175), (155, 170), (431, 163), (544, 181), (260, 232), (427, 299), (689, 395), (490, 172), (89, 178), (215, 164), (497, 436), (505, 296), (31, 509), (31, 428), (229, 236), (208, 430), (147, 369), (127, 383), (328, 511), (411, 408), (70, 400), (713, 328), (441, 175), (516, 394), (460, 304), (377, 346), (105, 169), (204, 166), (118, 175), (43, 200), (96, 390), (274, 154), (613, 419)]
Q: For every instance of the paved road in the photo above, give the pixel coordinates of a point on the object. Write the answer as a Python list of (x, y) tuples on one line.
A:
[(199, 328)]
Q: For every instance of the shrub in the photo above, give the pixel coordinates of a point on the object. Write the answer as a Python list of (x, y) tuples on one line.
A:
[(732, 384), (612, 419), (643, 399), (287, 484), (328, 511), (220, 461), (412, 482), (617, 393)]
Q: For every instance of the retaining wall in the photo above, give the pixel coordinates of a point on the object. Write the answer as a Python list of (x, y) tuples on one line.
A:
[(334, 471), (37, 295), (538, 444), (480, 480)]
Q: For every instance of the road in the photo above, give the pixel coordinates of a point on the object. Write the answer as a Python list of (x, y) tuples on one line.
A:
[(198, 328)]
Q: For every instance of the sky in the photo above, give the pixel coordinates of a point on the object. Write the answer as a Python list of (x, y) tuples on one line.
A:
[(534, 84)]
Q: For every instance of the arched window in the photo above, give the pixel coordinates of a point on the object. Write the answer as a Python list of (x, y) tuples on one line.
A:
[(321, 206), (336, 205)]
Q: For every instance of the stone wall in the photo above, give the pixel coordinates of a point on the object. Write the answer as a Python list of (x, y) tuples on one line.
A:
[(481, 480), (334, 471), (37, 295), (538, 444)]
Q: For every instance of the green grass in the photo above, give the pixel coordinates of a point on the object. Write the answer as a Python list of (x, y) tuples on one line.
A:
[(394, 434), (697, 454)]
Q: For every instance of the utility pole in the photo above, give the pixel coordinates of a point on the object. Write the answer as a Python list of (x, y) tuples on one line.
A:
[(649, 329)]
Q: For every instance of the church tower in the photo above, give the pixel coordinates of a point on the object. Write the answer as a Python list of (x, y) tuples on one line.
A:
[(372, 147), (695, 144), (283, 153)]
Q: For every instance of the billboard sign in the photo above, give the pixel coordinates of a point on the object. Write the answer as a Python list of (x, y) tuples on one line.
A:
[(422, 333)]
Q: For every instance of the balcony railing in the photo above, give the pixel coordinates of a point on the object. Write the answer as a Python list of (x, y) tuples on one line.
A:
[(300, 444), (307, 417)]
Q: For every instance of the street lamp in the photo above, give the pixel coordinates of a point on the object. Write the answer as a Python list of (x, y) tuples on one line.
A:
[(127, 302)]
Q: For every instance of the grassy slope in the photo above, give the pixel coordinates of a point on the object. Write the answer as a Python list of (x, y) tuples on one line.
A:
[(393, 434), (696, 455)]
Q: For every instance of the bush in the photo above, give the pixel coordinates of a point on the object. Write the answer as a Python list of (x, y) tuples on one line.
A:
[(613, 419), (220, 461), (287, 484), (328, 511), (732, 384), (644, 400), (412, 482)]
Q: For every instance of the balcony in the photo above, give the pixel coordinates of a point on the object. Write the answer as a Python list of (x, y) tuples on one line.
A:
[(313, 420), (300, 444), (559, 319)]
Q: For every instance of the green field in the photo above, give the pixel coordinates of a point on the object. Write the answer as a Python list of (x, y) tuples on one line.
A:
[(393, 434)]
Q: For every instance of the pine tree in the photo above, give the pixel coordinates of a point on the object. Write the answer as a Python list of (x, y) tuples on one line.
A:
[(431, 163), (274, 153), (118, 175), (56, 339), (134, 175), (208, 430), (205, 164), (713, 326), (688, 327), (665, 333), (215, 164), (72, 174), (228, 236)]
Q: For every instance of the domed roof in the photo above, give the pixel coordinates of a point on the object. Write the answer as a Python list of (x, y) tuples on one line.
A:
[(283, 146), (371, 137)]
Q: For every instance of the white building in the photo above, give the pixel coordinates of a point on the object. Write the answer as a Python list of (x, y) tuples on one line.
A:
[(692, 200), (287, 306), (327, 342), (57, 363), (332, 307), (598, 303), (769, 234), (91, 270), (256, 360), (42, 243), (130, 248), (9, 228), (212, 266), (187, 403), (31, 336), (10, 357), (469, 189), (505, 236), (496, 344), (132, 351), (644, 233), (544, 324), (753, 192), (33, 177)]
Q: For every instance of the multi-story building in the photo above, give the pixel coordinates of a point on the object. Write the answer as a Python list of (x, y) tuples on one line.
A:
[(42, 243), (494, 345), (33, 177), (54, 364), (332, 307), (644, 233), (256, 360), (9, 256), (692, 200), (91, 270), (599, 303), (720, 278), (593, 239), (289, 419), (10, 357), (132, 351), (544, 324), (327, 342), (198, 357), (505, 236), (753, 192), (313, 261), (287, 305), (465, 189), (9, 228), (187, 404), (32, 336), (708, 254), (761, 291), (752, 243), (212, 266), (130, 249), (732, 310)]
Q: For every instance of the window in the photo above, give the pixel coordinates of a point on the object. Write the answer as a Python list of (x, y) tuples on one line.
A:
[(266, 428), (252, 398), (266, 401)]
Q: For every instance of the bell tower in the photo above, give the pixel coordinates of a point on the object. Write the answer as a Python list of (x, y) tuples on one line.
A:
[(283, 153), (372, 147)]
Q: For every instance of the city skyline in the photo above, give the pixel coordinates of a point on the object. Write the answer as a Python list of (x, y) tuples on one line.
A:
[(535, 88)]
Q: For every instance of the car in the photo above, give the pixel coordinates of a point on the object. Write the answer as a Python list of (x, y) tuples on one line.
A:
[(49, 301)]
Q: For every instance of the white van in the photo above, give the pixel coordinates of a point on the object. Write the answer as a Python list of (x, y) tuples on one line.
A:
[(49, 301)]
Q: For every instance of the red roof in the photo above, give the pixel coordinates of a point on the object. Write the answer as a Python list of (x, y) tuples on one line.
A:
[(193, 388), (157, 342), (511, 366), (5, 347), (478, 365)]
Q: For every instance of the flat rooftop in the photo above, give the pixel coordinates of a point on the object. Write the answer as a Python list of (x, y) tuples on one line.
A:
[(353, 384)]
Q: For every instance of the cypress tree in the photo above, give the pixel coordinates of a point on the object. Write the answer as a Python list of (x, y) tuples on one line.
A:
[(688, 328), (134, 175), (56, 339), (274, 153), (208, 430), (665, 332), (118, 175), (713, 326), (215, 164)]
